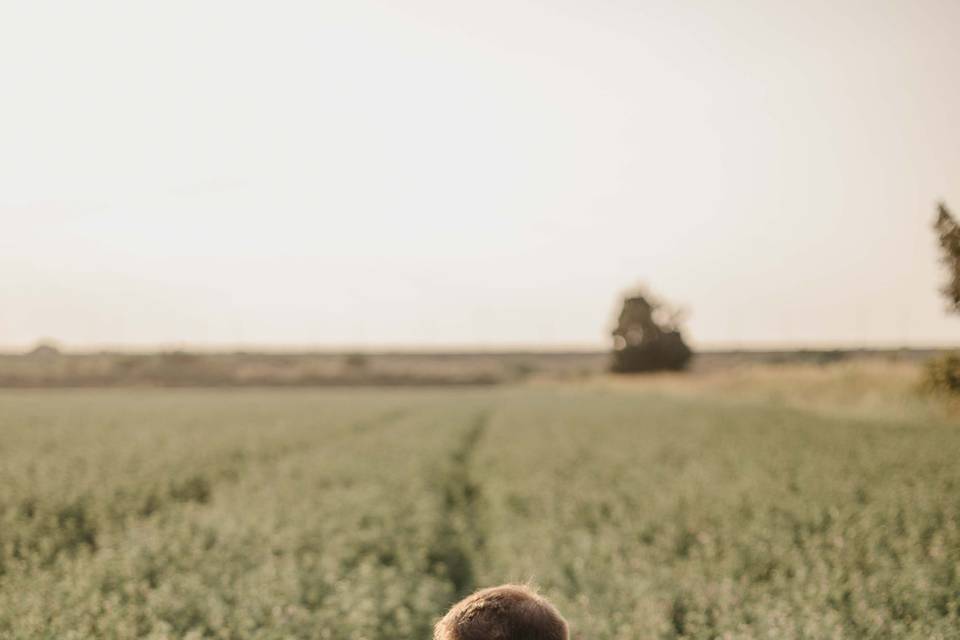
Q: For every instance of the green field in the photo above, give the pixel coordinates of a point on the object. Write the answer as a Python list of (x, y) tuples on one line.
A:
[(362, 514)]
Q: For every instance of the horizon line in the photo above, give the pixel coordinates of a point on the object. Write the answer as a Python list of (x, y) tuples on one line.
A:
[(457, 348)]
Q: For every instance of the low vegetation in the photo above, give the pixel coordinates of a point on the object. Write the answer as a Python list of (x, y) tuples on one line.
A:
[(643, 512), (942, 375), (870, 388)]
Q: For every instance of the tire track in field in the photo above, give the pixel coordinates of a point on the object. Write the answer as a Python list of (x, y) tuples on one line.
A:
[(460, 537), (77, 526), (377, 422), (232, 471)]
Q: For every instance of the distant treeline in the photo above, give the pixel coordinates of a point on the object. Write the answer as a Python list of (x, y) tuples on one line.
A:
[(50, 368)]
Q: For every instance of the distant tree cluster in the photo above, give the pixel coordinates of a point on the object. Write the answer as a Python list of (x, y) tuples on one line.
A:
[(648, 338)]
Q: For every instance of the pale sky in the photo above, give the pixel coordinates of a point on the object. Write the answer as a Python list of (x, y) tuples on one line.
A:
[(437, 173)]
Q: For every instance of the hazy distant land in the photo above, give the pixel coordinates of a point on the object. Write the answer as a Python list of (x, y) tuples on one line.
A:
[(46, 367)]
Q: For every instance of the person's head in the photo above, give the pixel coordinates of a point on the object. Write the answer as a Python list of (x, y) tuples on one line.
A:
[(508, 612)]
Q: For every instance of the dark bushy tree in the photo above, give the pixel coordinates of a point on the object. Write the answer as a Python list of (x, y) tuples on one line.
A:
[(942, 374), (647, 337), (948, 236)]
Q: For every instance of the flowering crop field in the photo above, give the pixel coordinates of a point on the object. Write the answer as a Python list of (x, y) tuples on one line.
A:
[(362, 514)]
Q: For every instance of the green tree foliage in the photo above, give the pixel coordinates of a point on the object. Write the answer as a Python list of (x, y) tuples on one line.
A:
[(948, 236), (942, 374)]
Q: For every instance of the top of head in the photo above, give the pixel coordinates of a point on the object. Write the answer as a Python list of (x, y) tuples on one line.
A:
[(507, 612)]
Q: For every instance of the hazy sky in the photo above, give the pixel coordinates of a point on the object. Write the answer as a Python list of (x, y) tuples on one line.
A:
[(435, 172)]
